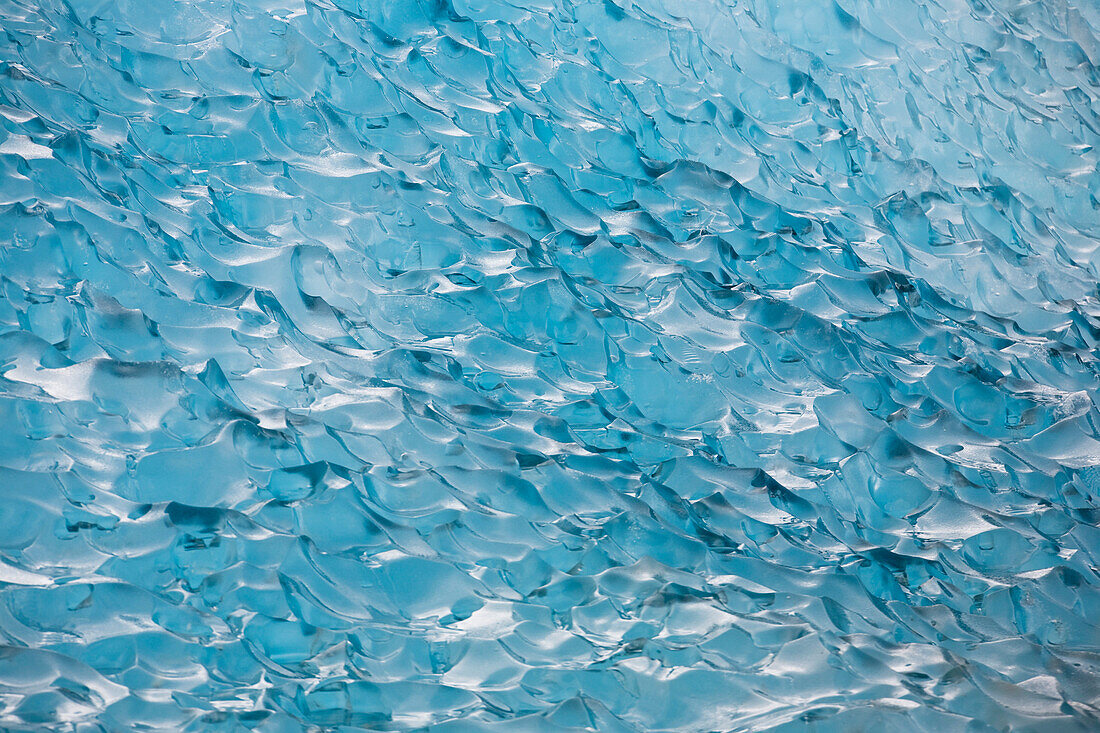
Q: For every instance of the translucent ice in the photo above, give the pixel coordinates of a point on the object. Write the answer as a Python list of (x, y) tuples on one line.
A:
[(620, 365)]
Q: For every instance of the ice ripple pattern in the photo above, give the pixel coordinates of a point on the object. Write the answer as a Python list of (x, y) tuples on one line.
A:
[(666, 365)]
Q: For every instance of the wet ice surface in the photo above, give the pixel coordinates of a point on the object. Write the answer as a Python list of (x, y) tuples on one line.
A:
[(549, 365)]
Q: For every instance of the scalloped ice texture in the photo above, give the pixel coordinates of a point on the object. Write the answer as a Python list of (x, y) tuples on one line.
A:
[(542, 365)]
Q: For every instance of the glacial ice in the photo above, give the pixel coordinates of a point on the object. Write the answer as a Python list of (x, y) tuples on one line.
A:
[(617, 365)]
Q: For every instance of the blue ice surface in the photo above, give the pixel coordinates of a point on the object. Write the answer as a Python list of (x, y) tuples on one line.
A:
[(549, 365)]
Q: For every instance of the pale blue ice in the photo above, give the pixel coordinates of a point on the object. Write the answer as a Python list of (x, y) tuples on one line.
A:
[(549, 365)]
